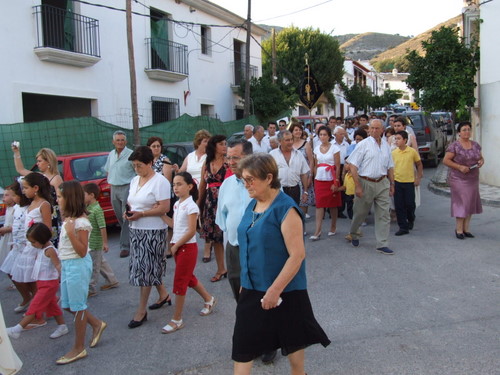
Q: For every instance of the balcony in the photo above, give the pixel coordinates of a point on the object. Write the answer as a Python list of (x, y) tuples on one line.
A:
[(167, 60), (65, 37), (238, 73)]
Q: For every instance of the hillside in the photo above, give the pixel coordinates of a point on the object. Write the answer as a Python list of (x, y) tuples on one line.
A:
[(368, 45), (414, 43)]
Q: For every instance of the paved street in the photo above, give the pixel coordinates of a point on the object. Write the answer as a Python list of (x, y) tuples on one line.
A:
[(432, 308)]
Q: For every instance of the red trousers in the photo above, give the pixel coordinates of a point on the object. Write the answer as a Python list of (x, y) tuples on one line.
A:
[(185, 262), (45, 300)]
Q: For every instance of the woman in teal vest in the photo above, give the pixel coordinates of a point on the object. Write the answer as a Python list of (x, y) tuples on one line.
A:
[(274, 310)]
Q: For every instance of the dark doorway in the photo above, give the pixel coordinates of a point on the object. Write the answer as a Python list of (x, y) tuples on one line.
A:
[(38, 107)]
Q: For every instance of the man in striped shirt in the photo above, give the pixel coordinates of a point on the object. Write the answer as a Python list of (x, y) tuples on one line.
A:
[(372, 169)]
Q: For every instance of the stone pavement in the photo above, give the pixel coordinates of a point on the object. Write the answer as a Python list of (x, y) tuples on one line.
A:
[(490, 195)]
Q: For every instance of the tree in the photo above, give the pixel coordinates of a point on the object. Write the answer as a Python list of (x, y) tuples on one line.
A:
[(268, 99), (445, 74), (359, 96), (325, 59)]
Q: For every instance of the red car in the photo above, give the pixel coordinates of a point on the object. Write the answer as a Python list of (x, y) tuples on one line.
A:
[(89, 167)]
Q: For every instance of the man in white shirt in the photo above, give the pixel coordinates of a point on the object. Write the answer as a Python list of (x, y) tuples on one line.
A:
[(372, 170), (271, 130), (248, 131), (292, 167), (258, 142)]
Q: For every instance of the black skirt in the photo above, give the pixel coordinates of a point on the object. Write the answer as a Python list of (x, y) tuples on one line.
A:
[(290, 326)]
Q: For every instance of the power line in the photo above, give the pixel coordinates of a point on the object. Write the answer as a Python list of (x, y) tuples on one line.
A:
[(149, 16), (297, 11)]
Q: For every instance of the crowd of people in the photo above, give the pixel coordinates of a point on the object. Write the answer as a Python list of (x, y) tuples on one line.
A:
[(54, 240)]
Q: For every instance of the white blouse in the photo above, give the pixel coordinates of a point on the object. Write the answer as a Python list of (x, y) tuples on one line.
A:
[(326, 173), (194, 165), (44, 268), (143, 198), (181, 218), (66, 250)]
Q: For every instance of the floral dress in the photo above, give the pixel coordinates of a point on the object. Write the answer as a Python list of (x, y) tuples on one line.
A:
[(209, 230)]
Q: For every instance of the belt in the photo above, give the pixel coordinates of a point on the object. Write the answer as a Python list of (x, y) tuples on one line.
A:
[(373, 179), (214, 184), (290, 187)]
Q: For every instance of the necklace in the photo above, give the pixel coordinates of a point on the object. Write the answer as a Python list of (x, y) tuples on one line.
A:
[(256, 217), (139, 185)]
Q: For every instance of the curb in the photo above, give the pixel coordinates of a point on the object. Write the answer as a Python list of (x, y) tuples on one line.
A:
[(445, 192)]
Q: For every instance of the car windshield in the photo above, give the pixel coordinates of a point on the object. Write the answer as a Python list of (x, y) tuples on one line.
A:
[(416, 122), (89, 168)]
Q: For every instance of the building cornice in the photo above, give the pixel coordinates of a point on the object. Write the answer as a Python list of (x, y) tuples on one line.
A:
[(221, 13)]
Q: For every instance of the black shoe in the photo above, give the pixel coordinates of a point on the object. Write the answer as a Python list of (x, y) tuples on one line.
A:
[(385, 250), (468, 235), (136, 323), (402, 232), (267, 358), (124, 253), (460, 236), (355, 243), (157, 305), (410, 225), (341, 215)]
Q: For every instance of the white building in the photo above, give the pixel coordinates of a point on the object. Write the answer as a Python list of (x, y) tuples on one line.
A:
[(396, 81), (65, 58), (486, 130)]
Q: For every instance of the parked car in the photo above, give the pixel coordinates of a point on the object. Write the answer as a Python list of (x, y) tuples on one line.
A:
[(88, 167), (444, 120), (235, 137), (177, 151), (431, 138)]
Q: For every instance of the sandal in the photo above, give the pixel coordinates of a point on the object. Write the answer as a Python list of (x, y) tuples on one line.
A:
[(172, 326), (209, 307), (206, 259), (218, 277)]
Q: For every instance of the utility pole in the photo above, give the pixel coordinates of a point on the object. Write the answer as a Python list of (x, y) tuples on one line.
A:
[(273, 54), (133, 81), (246, 110)]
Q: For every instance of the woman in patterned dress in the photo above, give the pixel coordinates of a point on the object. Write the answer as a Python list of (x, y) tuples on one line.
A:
[(213, 173)]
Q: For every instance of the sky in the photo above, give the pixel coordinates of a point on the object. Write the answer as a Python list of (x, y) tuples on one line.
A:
[(338, 17)]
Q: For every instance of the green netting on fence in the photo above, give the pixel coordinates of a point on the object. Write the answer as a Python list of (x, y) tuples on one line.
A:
[(73, 135)]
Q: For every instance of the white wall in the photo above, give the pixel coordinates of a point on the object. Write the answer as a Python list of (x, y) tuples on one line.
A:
[(490, 92), (108, 80)]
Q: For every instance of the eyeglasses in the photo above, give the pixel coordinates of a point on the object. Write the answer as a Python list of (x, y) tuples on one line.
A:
[(235, 158), (248, 180)]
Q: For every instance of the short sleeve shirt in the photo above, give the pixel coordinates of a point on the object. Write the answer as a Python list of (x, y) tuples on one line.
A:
[(145, 197), (404, 162), (182, 210), (96, 218), (66, 250)]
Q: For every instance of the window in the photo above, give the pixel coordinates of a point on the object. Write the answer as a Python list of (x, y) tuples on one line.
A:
[(164, 109), (207, 110), (205, 41), (319, 109), (303, 111)]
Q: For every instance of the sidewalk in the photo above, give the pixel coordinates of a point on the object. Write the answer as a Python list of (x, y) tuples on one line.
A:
[(490, 195)]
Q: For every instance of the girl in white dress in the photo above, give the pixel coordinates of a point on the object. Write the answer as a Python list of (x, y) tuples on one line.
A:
[(6, 230), (37, 188), (46, 271), (18, 241)]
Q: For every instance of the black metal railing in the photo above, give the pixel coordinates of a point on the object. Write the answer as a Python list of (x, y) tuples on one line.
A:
[(239, 71), (66, 30), (167, 55)]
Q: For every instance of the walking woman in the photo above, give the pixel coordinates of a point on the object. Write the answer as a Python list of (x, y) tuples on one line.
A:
[(274, 310), (326, 181), (148, 200), (463, 158), (213, 173)]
